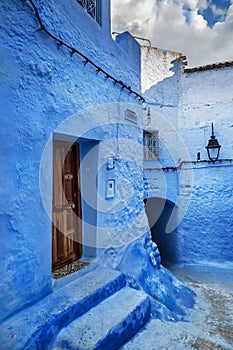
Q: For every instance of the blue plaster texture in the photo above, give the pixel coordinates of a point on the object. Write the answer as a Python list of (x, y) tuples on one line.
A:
[(163, 98), (37, 326), (124, 141), (55, 96), (205, 97), (42, 85), (202, 192), (170, 299), (107, 326), (161, 184), (206, 232)]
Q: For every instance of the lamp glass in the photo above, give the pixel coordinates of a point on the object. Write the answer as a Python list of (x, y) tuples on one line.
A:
[(213, 147), (213, 153)]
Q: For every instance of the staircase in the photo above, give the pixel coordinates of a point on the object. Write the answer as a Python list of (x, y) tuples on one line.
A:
[(109, 324), (95, 311)]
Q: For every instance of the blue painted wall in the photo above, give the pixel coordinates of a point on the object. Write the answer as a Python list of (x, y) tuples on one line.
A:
[(42, 85), (206, 232), (203, 191), (52, 94)]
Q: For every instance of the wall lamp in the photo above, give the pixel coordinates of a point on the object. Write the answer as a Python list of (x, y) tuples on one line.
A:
[(213, 147)]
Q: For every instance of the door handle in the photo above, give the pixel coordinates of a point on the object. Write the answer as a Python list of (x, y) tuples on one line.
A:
[(68, 177), (72, 205)]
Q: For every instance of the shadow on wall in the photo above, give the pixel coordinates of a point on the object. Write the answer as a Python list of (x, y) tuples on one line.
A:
[(158, 211), (165, 91)]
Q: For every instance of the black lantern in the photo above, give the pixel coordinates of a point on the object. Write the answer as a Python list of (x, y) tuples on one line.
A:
[(213, 147)]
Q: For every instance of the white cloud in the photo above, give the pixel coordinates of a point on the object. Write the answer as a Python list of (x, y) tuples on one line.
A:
[(177, 25), (202, 4), (222, 42)]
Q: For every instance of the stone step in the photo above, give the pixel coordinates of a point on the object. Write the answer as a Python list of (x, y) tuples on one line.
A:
[(37, 326), (108, 325)]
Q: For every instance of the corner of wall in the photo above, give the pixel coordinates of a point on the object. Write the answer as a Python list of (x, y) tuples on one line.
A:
[(132, 48)]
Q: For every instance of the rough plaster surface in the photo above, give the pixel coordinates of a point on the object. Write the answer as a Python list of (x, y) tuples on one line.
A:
[(102, 307), (110, 326), (42, 86), (206, 232), (48, 87), (210, 323), (36, 327), (204, 190), (170, 299), (206, 97), (162, 63)]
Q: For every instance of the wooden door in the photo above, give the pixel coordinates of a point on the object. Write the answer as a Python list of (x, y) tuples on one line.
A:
[(67, 235)]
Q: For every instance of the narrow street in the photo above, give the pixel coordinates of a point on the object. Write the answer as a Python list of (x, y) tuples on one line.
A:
[(211, 322)]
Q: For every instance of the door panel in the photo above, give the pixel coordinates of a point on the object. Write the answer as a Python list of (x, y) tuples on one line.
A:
[(67, 236)]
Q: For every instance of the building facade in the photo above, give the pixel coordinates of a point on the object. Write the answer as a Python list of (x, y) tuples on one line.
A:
[(87, 167), (70, 114), (193, 196)]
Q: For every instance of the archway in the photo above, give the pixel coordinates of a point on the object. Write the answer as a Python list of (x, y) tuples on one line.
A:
[(158, 211)]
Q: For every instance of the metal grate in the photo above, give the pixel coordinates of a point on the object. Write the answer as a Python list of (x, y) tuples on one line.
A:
[(151, 145), (92, 7)]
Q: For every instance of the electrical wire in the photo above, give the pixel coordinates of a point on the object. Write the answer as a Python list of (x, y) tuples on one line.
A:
[(87, 60)]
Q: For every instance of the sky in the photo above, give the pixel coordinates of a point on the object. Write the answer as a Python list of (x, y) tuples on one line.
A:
[(200, 29)]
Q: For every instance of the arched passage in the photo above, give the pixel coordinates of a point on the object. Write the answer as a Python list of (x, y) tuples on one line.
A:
[(158, 211)]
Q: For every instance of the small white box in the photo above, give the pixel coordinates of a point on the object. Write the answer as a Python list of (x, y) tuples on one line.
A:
[(110, 189)]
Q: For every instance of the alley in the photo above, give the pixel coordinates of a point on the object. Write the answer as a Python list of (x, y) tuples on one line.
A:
[(211, 322)]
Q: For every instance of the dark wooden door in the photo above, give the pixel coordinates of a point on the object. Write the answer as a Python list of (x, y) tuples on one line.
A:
[(67, 235)]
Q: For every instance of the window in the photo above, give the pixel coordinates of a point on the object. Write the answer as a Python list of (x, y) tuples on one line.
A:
[(151, 145), (93, 8)]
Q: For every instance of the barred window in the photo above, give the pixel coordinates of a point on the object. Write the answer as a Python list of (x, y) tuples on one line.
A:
[(93, 8), (151, 145)]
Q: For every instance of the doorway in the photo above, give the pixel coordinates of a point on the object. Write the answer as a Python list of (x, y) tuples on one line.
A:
[(67, 211), (158, 211)]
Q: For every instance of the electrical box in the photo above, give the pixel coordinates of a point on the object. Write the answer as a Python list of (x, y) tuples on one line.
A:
[(110, 163), (110, 189)]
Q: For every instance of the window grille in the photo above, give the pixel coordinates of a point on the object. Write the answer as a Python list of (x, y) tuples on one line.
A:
[(93, 8), (151, 145)]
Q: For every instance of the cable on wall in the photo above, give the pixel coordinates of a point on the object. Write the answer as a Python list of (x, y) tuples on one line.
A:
[(87, 60)]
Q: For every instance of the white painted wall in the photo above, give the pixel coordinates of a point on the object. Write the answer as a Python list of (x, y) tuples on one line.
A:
[(156, 65)]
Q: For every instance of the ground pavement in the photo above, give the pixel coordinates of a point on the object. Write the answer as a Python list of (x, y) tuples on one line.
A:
[(211, 322)]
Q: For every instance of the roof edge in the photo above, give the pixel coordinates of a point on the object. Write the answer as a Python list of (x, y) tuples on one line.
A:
[(209, 67)]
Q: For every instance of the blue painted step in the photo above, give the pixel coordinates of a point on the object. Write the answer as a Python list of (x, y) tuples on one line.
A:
[(108, 325), (37, 326)]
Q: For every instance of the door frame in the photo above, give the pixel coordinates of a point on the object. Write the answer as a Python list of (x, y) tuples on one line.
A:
[(78, 205)]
